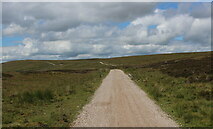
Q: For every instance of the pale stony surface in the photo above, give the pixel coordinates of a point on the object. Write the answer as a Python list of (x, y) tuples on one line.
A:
[(119, 102)]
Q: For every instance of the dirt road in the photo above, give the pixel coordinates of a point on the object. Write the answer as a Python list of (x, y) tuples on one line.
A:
[(118, 102)]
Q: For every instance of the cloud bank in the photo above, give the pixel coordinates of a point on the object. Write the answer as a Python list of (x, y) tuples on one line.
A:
[(93, 30)]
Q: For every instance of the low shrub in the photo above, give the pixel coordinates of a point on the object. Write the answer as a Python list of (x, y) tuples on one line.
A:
[(179, 94), (32, 97), (155, 91)]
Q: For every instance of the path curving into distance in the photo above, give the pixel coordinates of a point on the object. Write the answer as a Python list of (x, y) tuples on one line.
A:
[(119, 102)]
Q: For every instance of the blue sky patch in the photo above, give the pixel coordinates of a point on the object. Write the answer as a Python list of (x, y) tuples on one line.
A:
[(180, 38), (12, 40), (152, 26), (120, 25), (165, 6), (123, 25)]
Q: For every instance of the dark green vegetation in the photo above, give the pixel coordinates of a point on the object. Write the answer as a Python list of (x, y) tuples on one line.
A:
[(50, 93), (47, 98)]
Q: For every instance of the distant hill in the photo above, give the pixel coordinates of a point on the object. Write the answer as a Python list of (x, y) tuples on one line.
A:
[(42, 65)]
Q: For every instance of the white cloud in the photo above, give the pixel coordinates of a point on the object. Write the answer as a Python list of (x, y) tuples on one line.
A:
[(13, 29), (166, 29), (56, 47), (149, 20), (59, 33), (200, 31), (62, 16)]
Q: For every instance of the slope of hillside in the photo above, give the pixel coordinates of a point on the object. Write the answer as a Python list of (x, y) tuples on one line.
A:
[(51, 92), (139, 61), (42, 65)]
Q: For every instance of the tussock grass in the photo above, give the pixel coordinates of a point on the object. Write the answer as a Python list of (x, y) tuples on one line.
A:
[(35, 96), (52, 99), (188, 102)]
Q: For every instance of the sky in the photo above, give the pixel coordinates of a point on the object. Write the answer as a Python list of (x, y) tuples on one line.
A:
[(58, 31)]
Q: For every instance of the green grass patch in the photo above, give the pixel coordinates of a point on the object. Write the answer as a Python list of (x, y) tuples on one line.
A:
[(34, 96), (188, 103), (47, 99)]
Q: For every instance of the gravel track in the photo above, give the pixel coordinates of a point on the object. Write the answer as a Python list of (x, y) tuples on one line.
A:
[(119, 102)]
